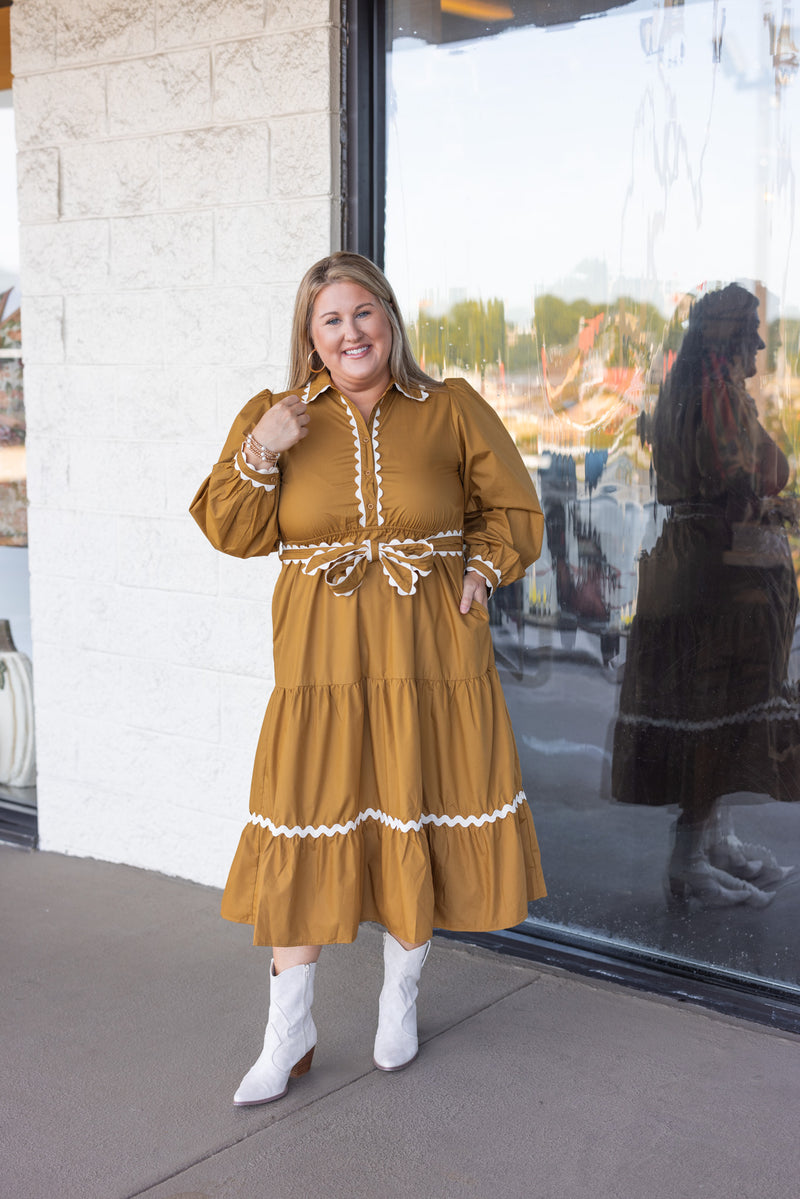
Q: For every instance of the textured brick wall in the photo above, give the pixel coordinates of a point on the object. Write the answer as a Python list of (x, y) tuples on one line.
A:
[(177, 173)]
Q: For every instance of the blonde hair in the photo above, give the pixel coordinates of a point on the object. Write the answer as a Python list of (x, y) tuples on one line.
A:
[(347, 267)]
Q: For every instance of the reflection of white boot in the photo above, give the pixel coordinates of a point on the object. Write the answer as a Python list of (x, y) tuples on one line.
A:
[(730, 854), (771, 872), (288, 1041), (692, 877), (726, 851), (396, 1042), (755, 863)]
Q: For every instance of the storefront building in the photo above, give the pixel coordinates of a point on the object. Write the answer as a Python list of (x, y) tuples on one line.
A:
[(555, 191)]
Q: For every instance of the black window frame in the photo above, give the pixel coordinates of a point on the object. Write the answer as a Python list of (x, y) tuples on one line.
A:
[(363, 120)]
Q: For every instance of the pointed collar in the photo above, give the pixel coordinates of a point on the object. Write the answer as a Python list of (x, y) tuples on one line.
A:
[(416, 394), (315, 387), (323, 382)]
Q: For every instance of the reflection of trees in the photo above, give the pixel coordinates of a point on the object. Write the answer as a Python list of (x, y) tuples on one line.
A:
[(473, 334), (558, 322), (784, 335), (469, 335), (522, 354)]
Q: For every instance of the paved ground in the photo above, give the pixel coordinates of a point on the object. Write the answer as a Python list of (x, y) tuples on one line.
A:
[(130, 1011)]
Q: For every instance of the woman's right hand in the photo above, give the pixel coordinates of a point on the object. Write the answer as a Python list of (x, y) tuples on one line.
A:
[(284, 425)]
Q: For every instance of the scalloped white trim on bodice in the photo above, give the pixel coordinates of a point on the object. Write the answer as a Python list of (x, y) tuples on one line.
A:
[(376, 454), (362, 512)]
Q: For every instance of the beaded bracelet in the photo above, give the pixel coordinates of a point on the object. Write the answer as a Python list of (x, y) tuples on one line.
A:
[(268, 457)]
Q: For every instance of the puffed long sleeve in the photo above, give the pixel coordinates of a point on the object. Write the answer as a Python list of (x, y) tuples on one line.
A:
[(503, 521), (709, 445), (237, 506), (734, 451)]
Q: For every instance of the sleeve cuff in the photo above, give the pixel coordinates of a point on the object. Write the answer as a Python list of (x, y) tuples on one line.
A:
[(257, 477), (487, 570)]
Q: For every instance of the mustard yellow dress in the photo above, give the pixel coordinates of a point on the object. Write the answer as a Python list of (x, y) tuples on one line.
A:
[(386, 783)]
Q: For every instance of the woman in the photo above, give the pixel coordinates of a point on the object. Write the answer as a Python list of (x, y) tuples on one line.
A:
[(386, 784), (704, 708)]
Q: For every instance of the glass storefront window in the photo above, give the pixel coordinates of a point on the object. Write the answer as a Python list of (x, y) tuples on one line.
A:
[(18, 822), (590, 214), (13, 523)]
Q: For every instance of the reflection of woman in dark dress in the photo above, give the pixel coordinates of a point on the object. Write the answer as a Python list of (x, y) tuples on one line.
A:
[(704, 710)]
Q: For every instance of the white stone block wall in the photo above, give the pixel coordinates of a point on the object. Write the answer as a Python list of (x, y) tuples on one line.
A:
[(178, 171)]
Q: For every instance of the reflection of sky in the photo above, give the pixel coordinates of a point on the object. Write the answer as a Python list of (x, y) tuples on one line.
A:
[(9, 233), (513, 159)]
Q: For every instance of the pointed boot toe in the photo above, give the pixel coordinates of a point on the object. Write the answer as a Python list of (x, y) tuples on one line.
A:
[(289, 1039), (396, 1041), (263, 1077), (395, 1055)]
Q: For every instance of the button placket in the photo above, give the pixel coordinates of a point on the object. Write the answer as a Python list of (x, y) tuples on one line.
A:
[(368, 473), (365, 445)]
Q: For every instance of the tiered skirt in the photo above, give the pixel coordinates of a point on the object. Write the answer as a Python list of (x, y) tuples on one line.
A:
[(386, 783)]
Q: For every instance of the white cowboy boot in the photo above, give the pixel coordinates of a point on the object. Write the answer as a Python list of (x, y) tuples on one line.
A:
[(396, 1041), (289, 1039)]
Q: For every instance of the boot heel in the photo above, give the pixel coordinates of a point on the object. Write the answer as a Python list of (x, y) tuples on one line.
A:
[(289, 1026), (303, 1066)]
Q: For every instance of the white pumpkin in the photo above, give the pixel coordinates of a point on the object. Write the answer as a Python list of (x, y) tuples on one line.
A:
[(17, 741)]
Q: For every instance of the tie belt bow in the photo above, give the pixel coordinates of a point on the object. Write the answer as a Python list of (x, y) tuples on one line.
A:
[(344, 565)]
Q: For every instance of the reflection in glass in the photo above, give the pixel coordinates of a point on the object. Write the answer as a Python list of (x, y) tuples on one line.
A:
[(13, 499), (562, 200), (705, 707)]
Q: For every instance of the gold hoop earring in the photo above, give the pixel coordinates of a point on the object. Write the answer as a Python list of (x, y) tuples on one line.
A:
[(315, 370)]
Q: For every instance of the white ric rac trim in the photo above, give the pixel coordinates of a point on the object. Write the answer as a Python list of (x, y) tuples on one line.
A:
[(309, 547), (769, 710), (393, 822), (362, 518), (306, 392), (403, 560), (423, 395), (471, 565), (239, 462), (376, 453)]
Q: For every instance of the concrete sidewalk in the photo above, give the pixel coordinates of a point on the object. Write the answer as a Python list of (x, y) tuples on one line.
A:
[(130, 1012)]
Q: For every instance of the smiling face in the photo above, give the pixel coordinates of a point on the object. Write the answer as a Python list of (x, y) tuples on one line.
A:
[(353, 337)]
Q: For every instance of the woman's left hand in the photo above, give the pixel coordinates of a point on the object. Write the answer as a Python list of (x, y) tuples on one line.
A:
[(474, 589)]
